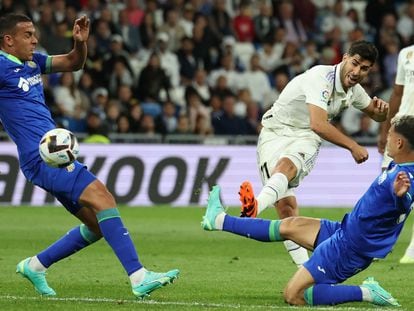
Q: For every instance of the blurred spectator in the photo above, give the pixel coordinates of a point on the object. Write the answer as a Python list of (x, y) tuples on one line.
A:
[(295, 32), (306, 12), (116, 6), (147, 125), (227, 123), (152, 81), (243, 24), (253, 118), (130, 34), (187, 19), (281, 79), (135, 13), (310, 54), (200, 85), (195, 107), (365, 134), (100, 98), (227, 70), (205, 48), (221, 88), (338, 18), (264, 23), (119, 76), (125, 95), (203, 126), (123, 124), (405, 24), (256, 81), (269, 57), (375, 11), (135, 116), (72, 102), (168, 59), (113, 112), (183, 125), (220, 21), (32, 10), (173, 29), (103, 35), (97, 129), (94, 62), (166, 122), (148, 31), (59, 11), (46, 26), (389, 62), (188, 64)]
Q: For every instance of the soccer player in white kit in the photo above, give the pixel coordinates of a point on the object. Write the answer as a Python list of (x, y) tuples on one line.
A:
[(401, 102), (294, 127)]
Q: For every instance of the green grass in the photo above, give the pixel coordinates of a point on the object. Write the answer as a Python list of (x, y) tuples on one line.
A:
[(219, 271)]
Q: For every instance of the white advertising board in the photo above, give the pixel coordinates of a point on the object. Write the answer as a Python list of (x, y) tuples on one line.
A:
[(180, 175)]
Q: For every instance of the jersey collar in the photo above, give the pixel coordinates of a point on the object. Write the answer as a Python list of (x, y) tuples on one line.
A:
[(11, 57), (338, 84)]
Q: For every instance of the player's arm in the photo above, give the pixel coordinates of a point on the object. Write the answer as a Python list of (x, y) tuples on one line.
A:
[(320, 125), (395, 102), (402, 186), (377, 109), (76, 58)]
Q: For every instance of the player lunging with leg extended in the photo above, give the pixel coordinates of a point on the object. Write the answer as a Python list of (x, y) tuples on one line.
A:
[(26, 117), (294, 127), (340, 249)]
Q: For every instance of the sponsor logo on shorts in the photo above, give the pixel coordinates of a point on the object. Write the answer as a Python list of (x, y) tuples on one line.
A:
[(321, 270)]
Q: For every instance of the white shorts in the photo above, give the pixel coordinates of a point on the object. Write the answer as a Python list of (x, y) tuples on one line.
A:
[(301, 150)]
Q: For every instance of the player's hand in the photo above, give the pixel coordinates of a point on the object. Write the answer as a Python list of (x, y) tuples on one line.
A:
[(359, 153), (381, 107), (401, 184), (81, 29)]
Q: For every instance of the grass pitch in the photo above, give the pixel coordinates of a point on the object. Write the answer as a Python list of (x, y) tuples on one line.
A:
[(219, 271)]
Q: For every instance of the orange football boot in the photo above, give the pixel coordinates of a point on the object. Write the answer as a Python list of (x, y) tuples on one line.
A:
[(248, 201)]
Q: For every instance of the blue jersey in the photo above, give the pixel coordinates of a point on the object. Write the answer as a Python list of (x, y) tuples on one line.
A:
[(23, 110), (373, 226)]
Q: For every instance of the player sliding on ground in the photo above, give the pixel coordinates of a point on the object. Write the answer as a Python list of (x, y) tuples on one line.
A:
[(26, 117), (340, 249)]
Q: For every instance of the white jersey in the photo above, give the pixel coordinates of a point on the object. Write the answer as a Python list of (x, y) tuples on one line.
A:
[(320, 86), (405, 77)]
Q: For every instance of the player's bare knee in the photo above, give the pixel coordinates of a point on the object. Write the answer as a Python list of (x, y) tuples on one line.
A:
[(293, 297), (287, 227)]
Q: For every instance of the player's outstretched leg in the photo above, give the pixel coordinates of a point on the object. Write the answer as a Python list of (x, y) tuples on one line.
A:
[(153, 281), (248, 201), (214, 209), (38, 279), (379, 295)]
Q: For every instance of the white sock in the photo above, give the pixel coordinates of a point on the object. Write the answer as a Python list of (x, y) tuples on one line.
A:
[(36, 265), (366, 294), (137, 276), (410, 249), (219, 221), (276, 185), (298, 253)]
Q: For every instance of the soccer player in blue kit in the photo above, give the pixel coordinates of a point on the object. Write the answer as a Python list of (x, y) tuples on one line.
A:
[(26, 117), (340, 249)]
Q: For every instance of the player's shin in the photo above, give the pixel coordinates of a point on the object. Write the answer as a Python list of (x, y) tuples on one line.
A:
[(117, 236), (328, 294), (271, 192), (255, 228), (74, 240)]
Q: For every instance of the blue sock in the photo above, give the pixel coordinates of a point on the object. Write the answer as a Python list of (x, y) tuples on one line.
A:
[(76, 239), (255, 228), (327, 294), (118, 238)]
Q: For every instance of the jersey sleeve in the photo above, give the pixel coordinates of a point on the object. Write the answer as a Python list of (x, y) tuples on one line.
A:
[(360, 99), (44, 62), (317, 89), (405, 202), (400, 75)]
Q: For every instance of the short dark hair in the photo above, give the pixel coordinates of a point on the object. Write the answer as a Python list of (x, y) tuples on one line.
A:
[(365, 49), (404, 125), (8, 23)]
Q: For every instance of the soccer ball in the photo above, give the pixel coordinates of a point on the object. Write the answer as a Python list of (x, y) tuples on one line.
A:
[(59, 148)]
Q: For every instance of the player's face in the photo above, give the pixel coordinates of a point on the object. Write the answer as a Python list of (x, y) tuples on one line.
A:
[(23, 41), (354, 69), (393, 142)]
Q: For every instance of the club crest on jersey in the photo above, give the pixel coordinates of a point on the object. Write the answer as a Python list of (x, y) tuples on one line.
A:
[(325, 95), (382, 178), (31, 64)]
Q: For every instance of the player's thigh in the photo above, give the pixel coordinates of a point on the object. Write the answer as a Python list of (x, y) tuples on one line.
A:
[(302, 151), (333, 261), (302, 230), (66, 184)]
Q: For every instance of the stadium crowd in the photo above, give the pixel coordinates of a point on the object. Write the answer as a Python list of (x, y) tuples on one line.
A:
[(206, 67)]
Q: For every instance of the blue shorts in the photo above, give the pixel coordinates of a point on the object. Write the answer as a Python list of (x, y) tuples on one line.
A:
[(333, 261), (65, 184)]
